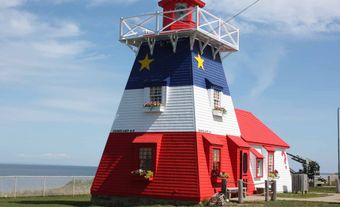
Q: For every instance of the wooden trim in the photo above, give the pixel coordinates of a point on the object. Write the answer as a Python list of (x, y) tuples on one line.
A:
[(257, 166), (271, 153)]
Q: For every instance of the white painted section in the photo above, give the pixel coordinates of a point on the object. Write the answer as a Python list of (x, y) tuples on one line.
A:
[(259, 182), (178, 112), (206, 122), (284, 183)]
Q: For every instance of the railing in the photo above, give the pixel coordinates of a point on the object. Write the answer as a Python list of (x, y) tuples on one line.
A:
[(148, 25), (21, 186)]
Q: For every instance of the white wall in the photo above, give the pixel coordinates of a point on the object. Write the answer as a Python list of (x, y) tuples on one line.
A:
[(259, 182), (205, 121), (284, 183), (178, 114)]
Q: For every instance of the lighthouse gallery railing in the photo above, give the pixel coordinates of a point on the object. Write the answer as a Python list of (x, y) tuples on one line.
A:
[(208, 25)]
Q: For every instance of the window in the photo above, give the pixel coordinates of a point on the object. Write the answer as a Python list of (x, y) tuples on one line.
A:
[(145, 158), (217, 99), (259, 168), (270, 162), (180, 6), (245, 163), (156, 94), (216, 162)]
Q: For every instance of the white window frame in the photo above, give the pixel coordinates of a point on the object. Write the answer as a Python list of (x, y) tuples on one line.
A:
[(147, 98)]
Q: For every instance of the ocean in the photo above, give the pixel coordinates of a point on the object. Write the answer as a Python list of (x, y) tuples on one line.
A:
[(45, 170)]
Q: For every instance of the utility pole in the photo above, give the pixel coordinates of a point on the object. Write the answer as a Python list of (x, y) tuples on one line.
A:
[(338, 180), (338, 144)]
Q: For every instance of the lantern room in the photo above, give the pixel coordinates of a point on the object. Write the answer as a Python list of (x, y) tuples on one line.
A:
[(178, 14)]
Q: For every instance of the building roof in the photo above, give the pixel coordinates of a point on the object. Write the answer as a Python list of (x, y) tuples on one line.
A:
[(148, 138), (213, 139), (239, 141), (256, 153), (256, 132)]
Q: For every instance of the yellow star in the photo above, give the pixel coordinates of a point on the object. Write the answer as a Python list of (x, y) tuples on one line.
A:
[(145, 64), (200, 62)]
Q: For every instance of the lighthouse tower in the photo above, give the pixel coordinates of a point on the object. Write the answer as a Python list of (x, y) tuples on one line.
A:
[(176, 128)]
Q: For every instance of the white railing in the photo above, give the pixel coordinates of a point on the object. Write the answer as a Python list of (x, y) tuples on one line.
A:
[(148, 25), (21, 186)]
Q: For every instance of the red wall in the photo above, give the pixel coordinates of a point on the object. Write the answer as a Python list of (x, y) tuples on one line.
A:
[(182, 171)]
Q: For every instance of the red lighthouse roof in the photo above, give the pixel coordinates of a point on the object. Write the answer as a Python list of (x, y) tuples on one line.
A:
[(255, 132), (199, 3)]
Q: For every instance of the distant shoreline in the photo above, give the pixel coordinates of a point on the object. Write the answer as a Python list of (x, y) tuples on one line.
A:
[(46, 170)]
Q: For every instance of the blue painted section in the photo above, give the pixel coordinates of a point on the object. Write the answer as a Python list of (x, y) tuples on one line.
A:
[(177, 69), (213, 74)]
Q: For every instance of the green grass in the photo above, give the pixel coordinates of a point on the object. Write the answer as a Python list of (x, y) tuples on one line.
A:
[(84, 201), (300, 195), (324, 189)]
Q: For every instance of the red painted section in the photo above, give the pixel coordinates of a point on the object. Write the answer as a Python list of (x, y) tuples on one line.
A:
[(255, 132), (269, 148), (256, 153), (239, 141), (188, 22), (182, 169), (148, 138)]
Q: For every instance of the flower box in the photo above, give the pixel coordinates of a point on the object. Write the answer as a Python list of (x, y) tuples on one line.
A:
[(216, 180), (153, 109), (141, 178), (219, 111)]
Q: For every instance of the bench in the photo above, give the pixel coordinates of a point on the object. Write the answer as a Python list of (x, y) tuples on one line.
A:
[(235, 190)]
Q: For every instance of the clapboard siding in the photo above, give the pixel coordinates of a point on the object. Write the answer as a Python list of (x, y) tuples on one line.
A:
[(176, 176), (284, 181), (205, 121), (284, 184), (259, 182), (178, 114)]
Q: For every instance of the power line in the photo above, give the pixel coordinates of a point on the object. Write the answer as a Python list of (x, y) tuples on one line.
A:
[(243, 10)]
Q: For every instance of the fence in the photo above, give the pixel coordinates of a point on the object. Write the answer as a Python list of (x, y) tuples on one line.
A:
[(20, 186)]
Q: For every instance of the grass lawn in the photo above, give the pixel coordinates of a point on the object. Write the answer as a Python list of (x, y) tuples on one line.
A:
[(84, 201), (300, 195), (324, 189)]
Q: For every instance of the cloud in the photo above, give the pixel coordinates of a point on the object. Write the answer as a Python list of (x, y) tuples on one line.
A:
[(57, 49), (259, 65), (10, 3), (105, 2), (303, 17)]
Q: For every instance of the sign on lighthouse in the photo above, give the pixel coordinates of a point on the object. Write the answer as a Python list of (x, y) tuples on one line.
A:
[(176, 128)]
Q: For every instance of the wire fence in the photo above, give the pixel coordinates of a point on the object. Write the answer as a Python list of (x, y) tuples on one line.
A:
[(21, 186)]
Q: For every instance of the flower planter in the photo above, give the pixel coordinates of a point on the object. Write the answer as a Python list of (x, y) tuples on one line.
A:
[(217, 113), (217, 180), (153, 109), (142, 179)]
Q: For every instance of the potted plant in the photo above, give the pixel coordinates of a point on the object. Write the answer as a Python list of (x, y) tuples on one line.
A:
[(141, 174), (219, 111), (273, 175), (217, 177), (153, 106)]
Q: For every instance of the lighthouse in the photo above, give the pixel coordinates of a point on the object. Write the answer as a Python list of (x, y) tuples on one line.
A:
[(176, 129)]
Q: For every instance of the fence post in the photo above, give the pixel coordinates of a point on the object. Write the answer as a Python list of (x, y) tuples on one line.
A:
[(15, 186), (266, 190), (240, 191), (337, 185), (73, 186), (44, 186), (1, 193), (329, 180), (274, 195)]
